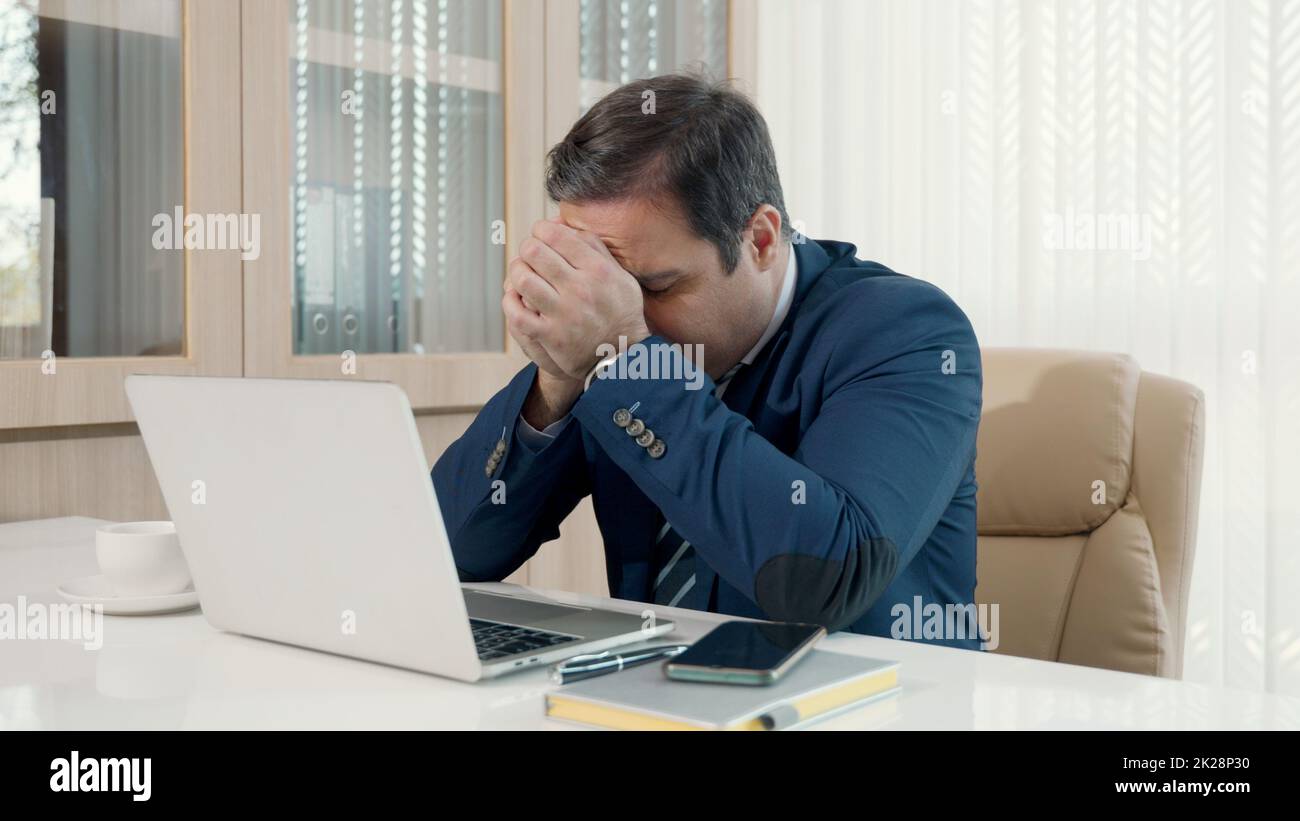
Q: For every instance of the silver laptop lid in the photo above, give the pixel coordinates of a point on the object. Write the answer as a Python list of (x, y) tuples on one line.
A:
[(307, 515)]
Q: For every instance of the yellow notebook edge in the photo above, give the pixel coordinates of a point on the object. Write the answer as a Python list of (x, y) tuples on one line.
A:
[(811, 705)]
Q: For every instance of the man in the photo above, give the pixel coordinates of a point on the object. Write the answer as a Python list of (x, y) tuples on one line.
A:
[(822, 472)]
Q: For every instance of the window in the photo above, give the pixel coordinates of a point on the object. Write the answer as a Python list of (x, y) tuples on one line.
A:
[(397, 190), (92, 95), (625, 40)]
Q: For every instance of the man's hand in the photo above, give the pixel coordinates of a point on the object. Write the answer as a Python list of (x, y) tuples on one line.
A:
[(566, 296), (515, 306), (554, 391)]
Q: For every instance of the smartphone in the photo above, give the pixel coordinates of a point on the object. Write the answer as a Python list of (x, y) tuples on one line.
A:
[(745, 652)]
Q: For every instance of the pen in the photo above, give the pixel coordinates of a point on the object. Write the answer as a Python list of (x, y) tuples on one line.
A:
[(589, 665)]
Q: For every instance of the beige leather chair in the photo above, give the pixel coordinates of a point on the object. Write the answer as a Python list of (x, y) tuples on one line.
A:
[(1089, 475)]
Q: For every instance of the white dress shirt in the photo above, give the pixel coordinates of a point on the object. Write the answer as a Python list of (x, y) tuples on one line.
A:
[(539, 438), (778, 316)]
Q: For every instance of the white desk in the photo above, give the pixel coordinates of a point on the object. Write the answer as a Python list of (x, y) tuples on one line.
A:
[(176, 671)]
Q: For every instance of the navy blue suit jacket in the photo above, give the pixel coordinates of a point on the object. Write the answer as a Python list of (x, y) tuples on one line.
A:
[(833, 483)]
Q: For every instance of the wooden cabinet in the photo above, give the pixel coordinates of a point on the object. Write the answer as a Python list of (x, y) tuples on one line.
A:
[(392, 153)]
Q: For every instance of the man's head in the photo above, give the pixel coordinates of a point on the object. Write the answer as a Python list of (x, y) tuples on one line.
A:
[(677, 176)]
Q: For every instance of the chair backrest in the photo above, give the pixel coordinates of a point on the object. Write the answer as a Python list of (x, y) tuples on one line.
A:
[(1089, 475)]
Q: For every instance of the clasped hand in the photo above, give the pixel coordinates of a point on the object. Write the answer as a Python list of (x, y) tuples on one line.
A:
[(565, 296)]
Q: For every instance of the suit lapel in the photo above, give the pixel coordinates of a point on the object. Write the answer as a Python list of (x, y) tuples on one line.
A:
[(746, 385), (638, 518)]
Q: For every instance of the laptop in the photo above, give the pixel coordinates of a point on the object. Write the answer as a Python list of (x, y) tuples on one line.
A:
[(307, 515)]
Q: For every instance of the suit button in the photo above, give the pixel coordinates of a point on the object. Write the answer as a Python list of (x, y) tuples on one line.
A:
[(622, 416), (656, 449), (646, 438), (635, 427)]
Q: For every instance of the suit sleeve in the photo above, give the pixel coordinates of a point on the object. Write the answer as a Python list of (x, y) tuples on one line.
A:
[(501, 499), (817, 535)]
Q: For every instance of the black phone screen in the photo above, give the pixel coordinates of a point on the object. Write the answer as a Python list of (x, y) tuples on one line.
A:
[(747, 645)]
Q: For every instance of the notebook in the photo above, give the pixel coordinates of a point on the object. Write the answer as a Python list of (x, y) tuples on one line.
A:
[(643, 698)]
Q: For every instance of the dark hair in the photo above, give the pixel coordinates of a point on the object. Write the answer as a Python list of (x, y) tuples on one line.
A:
[(702, 142)]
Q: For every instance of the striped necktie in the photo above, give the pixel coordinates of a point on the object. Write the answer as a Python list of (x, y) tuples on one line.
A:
[(674, 557)]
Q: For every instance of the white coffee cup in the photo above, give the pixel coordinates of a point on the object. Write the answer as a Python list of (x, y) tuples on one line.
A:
[(142, 558)]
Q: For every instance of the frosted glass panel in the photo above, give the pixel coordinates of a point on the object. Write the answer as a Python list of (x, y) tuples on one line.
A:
[(398, 188), (91, 96), (625, 40)]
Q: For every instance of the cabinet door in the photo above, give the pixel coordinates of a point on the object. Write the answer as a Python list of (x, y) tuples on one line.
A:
[(624, 40), (121, 247), (394, 151), (594, 46)]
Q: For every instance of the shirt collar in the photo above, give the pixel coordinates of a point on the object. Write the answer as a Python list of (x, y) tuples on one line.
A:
[(782, 308)]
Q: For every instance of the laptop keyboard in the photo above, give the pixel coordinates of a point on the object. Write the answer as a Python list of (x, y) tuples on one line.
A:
[(495, 640)]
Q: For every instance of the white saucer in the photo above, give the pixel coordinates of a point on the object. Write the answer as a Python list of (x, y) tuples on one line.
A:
[(92, 590)]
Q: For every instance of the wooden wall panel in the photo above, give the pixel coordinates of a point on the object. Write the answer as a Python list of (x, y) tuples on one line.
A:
[(103, 471)]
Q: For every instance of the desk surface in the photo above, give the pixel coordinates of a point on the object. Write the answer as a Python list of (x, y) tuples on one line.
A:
[(175, 671)]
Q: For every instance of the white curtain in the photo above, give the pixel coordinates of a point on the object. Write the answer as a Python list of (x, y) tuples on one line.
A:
[(1117, 175)]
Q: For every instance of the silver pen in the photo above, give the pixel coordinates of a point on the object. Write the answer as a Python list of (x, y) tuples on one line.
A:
[(590, 665)]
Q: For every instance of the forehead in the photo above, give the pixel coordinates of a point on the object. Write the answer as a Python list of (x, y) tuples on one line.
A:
[(636, 231)]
